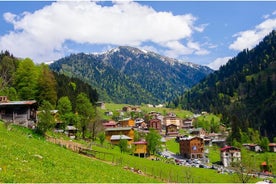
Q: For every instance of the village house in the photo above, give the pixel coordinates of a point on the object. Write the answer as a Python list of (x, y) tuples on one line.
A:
[(140, 123), (253, 147), (71, 131), (115, 139), (171, 130), (191, 147), (155, 124), (200, 132), (127, 131), (229, 154), (131, 109), (101, 105), (172, 124), (272, 147), (127, 122), (172, 120), (110, 124), (18, 112), (188, 124), (140, 148)]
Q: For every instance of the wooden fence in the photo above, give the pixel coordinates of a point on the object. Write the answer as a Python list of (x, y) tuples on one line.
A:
[(159, 173)]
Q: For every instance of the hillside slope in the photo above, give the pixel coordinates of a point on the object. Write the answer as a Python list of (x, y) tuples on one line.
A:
[(129, 75), (27, 158), (244, 90)]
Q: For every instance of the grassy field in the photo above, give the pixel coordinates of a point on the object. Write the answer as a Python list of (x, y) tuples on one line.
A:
[(25, 157), (113, 107), (167, 172)]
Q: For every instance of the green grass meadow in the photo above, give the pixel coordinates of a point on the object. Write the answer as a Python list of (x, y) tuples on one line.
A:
[(26, 158)]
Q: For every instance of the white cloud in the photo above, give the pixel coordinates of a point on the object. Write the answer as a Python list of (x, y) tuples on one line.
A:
[(250, 38), (41, 35), (218, 62)]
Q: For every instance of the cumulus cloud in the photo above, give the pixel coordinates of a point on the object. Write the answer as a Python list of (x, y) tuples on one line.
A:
[(218, 62), (42, 34), (250, 38)]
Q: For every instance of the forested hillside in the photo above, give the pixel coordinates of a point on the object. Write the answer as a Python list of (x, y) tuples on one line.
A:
[(21, 79), (244, 91), (129, 75)]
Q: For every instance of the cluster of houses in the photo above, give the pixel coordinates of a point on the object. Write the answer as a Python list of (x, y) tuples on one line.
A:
[(190, 147)]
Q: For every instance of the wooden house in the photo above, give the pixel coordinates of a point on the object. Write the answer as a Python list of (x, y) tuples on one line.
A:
[(188, 124), (229, 154), (127, 131), (109, 124), (131, 109), (115, 139), (171, 129), (191, 147), (253, 147), (128, 122), (140, 148), (155, 124), (200, 132), (172, 120), (71, 131), (18, 112)]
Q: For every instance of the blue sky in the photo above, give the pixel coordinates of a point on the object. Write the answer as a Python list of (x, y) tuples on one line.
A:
[(202, 32)]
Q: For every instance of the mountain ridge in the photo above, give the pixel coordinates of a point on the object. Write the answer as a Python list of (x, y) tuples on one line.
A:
[(243, 91), (130, 75)]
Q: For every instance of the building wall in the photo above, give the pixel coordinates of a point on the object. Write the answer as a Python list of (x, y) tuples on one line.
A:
[(140, 148), (192, 148), (172, 120), (227, 157)]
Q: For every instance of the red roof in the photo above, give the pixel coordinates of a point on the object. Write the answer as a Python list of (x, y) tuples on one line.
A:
[(272, 144), (226, 148), (264, 163)]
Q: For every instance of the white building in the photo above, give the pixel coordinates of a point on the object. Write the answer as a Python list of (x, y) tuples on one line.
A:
[(229, 154)]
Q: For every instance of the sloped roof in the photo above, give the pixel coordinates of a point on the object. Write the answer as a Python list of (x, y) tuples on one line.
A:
[(29, 102), (118, 129), (118, 137)]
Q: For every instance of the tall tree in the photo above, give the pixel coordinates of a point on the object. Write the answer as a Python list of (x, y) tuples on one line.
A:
[(46, 120), (25, 79), (85, 111), (153, 139), (46, 85)]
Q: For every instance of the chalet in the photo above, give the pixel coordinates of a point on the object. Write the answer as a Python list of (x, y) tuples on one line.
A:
[(171, 129), (18, 112), (272, 147), (229, 154), (127, 131), (219, 142), (140, 123), (191, 147), (187, 124), (155, 124), (128, 122), (71, 131), (131, 109), (140, 148), (115, 139), (109, 124), (101, 105), (168, 120), (253, 147), (200, 132)]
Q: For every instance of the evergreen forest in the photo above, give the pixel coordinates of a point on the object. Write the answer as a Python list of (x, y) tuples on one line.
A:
[(243, 91)]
